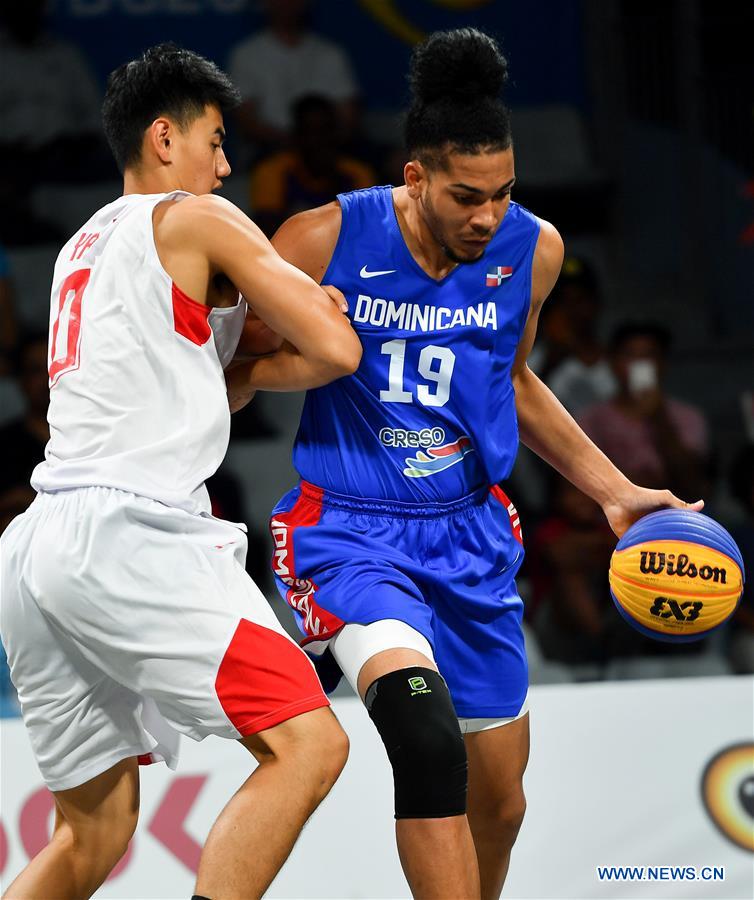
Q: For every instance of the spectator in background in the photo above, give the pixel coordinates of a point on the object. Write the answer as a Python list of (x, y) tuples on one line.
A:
[(281, 64), (654, 439), (570, 357), (49, 109), (741, 479), (570, 557), (23, 440), (311, 173)]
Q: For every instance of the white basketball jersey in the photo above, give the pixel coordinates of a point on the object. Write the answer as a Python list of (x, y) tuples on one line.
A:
[(137, 393)]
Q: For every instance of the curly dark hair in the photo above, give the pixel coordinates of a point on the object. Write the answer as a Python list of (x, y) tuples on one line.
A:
[(456, 80), (165, 81)]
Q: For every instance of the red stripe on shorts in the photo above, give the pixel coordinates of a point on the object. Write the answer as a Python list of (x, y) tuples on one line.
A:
[(191, 318), (317, 622), (264, 679), (499, 494)]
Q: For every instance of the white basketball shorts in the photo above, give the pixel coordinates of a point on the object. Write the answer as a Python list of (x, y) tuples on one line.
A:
[(126, 621)]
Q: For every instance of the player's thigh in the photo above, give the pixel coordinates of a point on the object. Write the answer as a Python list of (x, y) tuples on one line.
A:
[(497, 761), (368, 652), (102, 813), (295, 737)]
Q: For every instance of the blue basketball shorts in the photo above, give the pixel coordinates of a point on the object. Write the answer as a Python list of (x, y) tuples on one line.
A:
[(448, 571)]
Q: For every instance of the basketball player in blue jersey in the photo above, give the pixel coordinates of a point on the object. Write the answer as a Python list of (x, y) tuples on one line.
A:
[(397, 550)]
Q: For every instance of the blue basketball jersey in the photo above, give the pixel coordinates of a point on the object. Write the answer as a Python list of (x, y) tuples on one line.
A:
[(430, 414)]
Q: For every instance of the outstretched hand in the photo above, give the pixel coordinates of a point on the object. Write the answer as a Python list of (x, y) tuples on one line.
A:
[(637, 502)]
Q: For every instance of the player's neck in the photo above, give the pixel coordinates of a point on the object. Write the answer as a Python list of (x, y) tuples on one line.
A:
[(149, 181), (421, 243)]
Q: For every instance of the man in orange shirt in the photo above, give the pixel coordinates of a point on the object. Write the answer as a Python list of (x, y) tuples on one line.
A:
[(312, 173)]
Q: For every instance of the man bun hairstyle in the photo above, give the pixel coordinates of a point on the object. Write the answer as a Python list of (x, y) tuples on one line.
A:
[(456, 80), (165, 81)]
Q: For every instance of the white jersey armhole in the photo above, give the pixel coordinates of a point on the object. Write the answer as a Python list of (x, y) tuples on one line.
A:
[(151, 255)]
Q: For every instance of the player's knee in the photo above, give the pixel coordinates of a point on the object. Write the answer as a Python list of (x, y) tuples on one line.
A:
[(315, 744), (512, 815), (414, 715), (100, 846), (501, 817), (110, 843), (333, 749)]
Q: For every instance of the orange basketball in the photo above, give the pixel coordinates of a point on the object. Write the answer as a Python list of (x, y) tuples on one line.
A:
[(676, 575)]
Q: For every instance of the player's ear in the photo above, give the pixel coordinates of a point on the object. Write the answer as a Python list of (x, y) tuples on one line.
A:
[(159, 138), (415, 175)]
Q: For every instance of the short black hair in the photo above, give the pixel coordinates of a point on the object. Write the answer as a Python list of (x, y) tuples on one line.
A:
[(629, 330), (456, 78), (165, 81)]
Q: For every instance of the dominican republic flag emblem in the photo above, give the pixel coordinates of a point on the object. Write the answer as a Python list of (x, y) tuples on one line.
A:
[(496, 276)]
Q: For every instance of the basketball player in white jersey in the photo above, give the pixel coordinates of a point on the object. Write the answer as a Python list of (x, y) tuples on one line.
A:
[(126, 611)]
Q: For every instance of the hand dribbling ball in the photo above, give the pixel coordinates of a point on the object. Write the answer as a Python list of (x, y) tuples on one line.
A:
[(676, 575)]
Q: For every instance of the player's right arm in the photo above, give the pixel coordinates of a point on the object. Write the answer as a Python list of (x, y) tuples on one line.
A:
[(306, 240), (547, 428), (202, 237)]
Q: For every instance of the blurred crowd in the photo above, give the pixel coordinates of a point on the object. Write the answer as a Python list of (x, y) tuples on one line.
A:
[(297, 140), (617, 391)]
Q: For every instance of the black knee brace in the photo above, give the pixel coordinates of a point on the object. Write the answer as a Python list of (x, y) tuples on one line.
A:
[(414, 715)]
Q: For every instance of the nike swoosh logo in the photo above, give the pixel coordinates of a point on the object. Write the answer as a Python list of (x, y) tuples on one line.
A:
[(365, 274), (510, 564)]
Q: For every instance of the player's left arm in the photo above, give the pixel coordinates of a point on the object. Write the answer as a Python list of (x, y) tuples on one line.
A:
[(546, 427)]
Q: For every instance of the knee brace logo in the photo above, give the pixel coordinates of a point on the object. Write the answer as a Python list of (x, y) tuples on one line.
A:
[(418, 686)]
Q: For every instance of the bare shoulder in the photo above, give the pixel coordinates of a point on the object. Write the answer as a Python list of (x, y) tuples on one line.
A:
[(207, 225), (183, 218), (549, 252), (548, 260), (308, 239)]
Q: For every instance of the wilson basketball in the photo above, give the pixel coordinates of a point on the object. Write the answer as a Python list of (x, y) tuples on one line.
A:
[(676, 575)]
